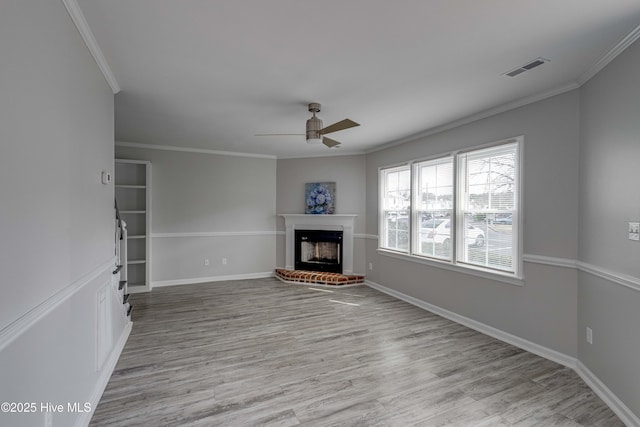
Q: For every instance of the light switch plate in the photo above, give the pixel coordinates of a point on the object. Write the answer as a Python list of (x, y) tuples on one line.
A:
[(634, 231), (106, 177)]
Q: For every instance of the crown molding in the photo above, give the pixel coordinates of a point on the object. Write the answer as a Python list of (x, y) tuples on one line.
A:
[(479, 116), (611, 54), (87, 35), (191, 150), (126, 144), (315, 156)]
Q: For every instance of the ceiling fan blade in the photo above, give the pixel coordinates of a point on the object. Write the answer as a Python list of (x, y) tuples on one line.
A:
[(341, 125), (279, 134), (331, 143)]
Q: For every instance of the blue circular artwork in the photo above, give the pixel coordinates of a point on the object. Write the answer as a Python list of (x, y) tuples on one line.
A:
[(320, 198)]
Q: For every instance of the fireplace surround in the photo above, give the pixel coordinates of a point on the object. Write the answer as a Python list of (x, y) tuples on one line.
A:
[(335, 222)]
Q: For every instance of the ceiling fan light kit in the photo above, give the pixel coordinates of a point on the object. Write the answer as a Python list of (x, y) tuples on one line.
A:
[(315, 129)]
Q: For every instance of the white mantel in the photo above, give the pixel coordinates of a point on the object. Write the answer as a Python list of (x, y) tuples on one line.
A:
[(343, 222)]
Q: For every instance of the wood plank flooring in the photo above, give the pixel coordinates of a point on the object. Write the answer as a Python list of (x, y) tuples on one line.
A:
[(262, 352)]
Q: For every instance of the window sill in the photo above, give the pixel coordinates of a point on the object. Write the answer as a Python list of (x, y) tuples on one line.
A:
[(466, 269)]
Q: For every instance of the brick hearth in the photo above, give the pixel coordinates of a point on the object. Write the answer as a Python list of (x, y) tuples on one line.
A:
[(318, 278)]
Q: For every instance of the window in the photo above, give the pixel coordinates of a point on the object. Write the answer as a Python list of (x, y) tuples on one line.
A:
[(487, 206), (396, 203), (461, 208), (433, 205)]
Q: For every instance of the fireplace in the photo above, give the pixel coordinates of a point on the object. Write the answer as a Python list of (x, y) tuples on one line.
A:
[(318, 250), (335, 222)]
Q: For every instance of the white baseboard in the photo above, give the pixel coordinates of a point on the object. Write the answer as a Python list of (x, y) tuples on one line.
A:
[(197, 280), (531, 347), (103, 380), (617, 406), (623, 412)]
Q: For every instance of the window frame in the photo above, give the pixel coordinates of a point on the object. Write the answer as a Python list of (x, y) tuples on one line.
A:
[(457, 217), (462, 191), (416, 211), (382, 230)]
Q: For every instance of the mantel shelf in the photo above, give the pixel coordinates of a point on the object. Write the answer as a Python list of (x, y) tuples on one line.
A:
[(318, 216)]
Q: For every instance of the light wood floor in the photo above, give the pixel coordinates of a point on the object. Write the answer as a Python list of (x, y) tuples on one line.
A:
[(261, 352)]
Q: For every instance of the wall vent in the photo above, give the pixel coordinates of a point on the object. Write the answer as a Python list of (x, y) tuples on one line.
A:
[(526, 67)]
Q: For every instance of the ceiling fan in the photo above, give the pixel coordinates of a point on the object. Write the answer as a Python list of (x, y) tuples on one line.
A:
[(315, 131)]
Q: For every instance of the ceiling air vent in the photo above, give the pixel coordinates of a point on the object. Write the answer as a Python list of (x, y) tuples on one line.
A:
[(526, 67)]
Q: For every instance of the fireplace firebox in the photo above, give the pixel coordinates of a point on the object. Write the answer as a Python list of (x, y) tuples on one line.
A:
[(318, 250)]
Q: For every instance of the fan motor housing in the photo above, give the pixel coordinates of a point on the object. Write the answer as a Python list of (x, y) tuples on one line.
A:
[(314, 125)]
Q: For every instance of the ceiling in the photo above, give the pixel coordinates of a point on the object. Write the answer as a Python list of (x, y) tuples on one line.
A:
[(211, 74)]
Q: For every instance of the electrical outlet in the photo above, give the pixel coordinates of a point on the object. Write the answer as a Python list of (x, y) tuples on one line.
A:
[(370, 266), (48, 419), (224, 261), (206, 262), (589, 335)]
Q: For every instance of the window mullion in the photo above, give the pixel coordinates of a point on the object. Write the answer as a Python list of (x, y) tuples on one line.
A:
[(459, 183), (415, 209)]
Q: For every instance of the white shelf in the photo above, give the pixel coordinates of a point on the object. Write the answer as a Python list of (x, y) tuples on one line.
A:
[(137, 236), (136, 261), (133, 212), (138, 187)]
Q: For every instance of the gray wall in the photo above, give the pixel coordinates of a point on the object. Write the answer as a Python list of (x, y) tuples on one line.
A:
[(544, 309), (580, 191), (348, 172), (229, 199), (57, 136), (609, 199), (56, 218)]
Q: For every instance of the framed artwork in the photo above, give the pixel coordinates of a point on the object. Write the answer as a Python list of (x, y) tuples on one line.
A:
[(320, 198)]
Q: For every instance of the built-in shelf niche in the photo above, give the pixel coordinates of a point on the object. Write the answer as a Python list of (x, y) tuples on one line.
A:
[(133, 194)]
